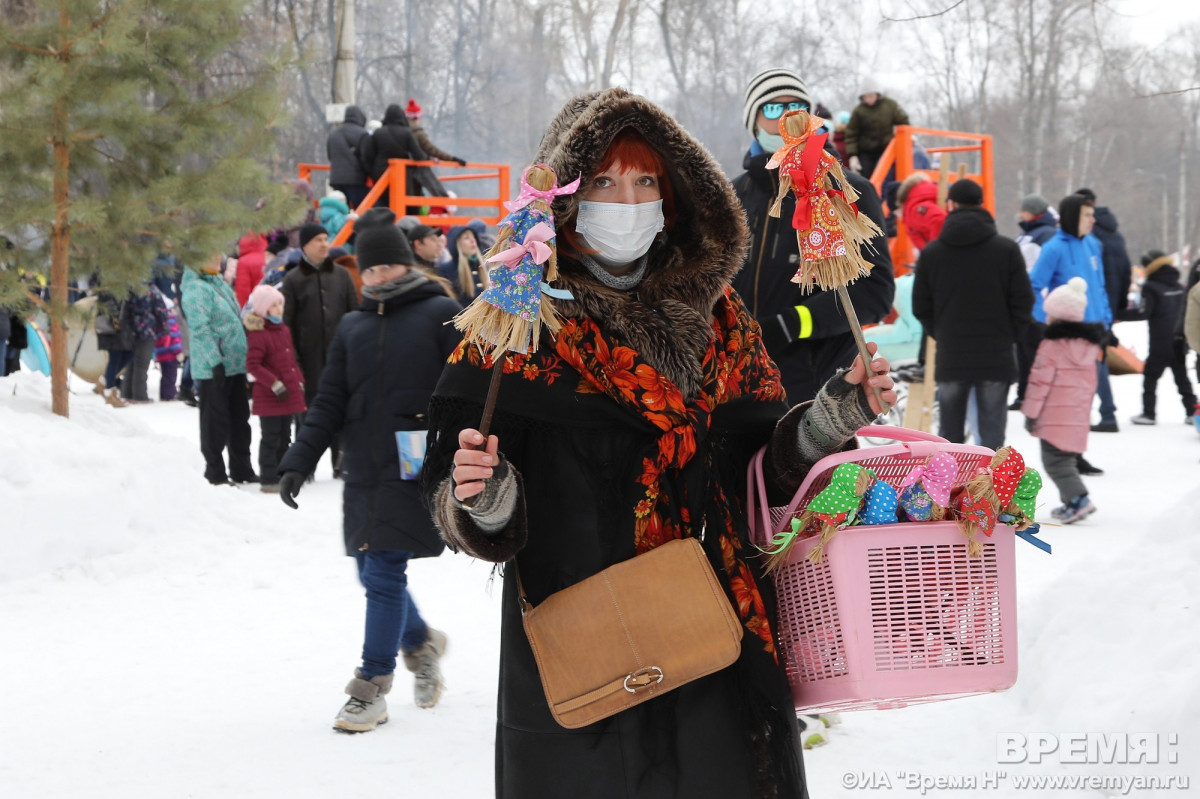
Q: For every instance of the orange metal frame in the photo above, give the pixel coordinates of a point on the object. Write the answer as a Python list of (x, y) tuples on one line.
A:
[(397, 175), (899, 153)]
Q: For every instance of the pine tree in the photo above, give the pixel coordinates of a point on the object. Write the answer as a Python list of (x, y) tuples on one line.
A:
[(129, 126)]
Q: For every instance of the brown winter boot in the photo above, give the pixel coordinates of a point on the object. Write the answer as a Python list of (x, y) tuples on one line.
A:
[(99, 387), (113, 397)]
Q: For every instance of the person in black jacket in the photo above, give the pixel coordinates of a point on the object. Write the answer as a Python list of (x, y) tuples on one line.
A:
[(383, 365), (1118, 269), (394, 139), (1163, 302), (807, 335), (345, 149), (974, 298), (317, 293)]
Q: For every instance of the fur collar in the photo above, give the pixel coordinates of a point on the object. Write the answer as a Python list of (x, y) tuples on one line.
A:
[(1094, 333), (668, 317)]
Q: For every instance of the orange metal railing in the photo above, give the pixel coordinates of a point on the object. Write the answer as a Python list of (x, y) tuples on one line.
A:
[(397, 175), (899, 153)]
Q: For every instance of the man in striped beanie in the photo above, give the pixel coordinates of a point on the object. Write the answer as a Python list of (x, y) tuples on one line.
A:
[(769, 95), (807, 335)]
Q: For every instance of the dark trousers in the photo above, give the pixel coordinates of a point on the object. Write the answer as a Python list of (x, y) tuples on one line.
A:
[(354, 194), (225, 424), (1063, 468), (134, 386), (185, 382), (274, 442), (166, 386), (1158, 361), (1026, 352), (992, 397), (117, 360)]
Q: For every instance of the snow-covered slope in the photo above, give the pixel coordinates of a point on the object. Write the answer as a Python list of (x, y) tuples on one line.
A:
[(160, 637)]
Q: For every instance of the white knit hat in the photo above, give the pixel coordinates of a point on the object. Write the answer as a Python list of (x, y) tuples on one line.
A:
[(1068, 302), (766, 86)]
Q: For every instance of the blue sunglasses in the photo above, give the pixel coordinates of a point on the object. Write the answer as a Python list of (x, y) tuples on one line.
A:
[(775, 110)]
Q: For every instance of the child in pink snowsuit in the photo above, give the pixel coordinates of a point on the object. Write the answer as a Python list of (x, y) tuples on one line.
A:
[(1058, 400)]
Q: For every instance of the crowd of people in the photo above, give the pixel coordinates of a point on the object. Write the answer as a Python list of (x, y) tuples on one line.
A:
[(688, 349)]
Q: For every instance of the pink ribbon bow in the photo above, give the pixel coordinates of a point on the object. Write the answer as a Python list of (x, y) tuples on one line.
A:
[(529, 193), (534, 246)]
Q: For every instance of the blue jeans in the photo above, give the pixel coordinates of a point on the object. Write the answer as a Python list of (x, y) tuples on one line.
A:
[(3, 354), (1108, 408), (992, 396), (393, 622)]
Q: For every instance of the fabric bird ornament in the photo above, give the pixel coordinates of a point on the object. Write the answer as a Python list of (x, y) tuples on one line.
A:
[(986, 495), (1007, 474), (509, 313), (879, 504), (925, 491)]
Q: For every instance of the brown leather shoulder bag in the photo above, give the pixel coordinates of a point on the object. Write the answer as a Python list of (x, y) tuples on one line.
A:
[(635, 631)]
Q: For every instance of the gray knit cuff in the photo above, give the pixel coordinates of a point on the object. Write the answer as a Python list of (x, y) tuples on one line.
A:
[(839, 411), (492, 509)]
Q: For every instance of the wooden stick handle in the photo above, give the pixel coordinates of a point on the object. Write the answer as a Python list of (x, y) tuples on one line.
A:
[(489, 404), (856, 330)]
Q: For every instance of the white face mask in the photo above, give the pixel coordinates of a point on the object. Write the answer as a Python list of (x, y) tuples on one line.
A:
[(620, 233), (770, 141)]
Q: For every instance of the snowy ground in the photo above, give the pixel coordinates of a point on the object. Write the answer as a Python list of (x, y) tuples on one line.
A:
[(160, 637)]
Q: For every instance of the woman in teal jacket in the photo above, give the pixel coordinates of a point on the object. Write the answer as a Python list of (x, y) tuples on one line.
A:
[(218, 356)]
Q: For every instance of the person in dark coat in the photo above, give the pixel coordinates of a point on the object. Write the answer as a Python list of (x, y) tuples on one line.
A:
[(1118, 269), (807, 335), (118, 344), (1038, 225), (317, 293), (383, 366), (632, 427), (425, 176), (278, 389), (394, 139), (871, 128), (974, 299), (346, 150), (1164, 300)]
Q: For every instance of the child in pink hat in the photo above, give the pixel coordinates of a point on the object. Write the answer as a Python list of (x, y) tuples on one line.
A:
[(1058, 399), (278, 393)]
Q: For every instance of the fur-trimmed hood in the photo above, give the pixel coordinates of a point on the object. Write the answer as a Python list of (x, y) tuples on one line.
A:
[(1087, 331), (253, 321), (668, 317)]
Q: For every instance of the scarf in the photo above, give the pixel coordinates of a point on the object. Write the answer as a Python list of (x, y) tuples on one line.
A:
[(394, 288), (680, 493)]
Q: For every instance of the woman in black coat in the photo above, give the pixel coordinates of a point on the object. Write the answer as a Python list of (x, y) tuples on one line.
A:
[(633, 427), (383, 365), (394, 139)]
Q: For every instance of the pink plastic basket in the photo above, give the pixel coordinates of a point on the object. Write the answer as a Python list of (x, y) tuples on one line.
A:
[(894, 614)]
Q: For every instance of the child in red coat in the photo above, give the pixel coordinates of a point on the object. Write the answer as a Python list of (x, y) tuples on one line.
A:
[(1058, 399), (278, 382)]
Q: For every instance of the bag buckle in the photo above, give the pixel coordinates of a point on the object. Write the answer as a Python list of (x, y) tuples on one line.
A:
[(643, 678)]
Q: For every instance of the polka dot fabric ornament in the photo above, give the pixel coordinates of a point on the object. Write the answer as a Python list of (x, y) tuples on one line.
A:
[(1007, 475), (925, 491), (838, 504), (879, 504), (1025, 497)]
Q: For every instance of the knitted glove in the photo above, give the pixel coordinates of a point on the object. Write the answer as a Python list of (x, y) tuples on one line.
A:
[(492, 508), (839, 411), (280, 390)]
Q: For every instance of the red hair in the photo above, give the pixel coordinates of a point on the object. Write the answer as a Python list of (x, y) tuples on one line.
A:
[(631, 150)]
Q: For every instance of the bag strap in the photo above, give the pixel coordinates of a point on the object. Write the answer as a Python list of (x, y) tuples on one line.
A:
[(756, 491)]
